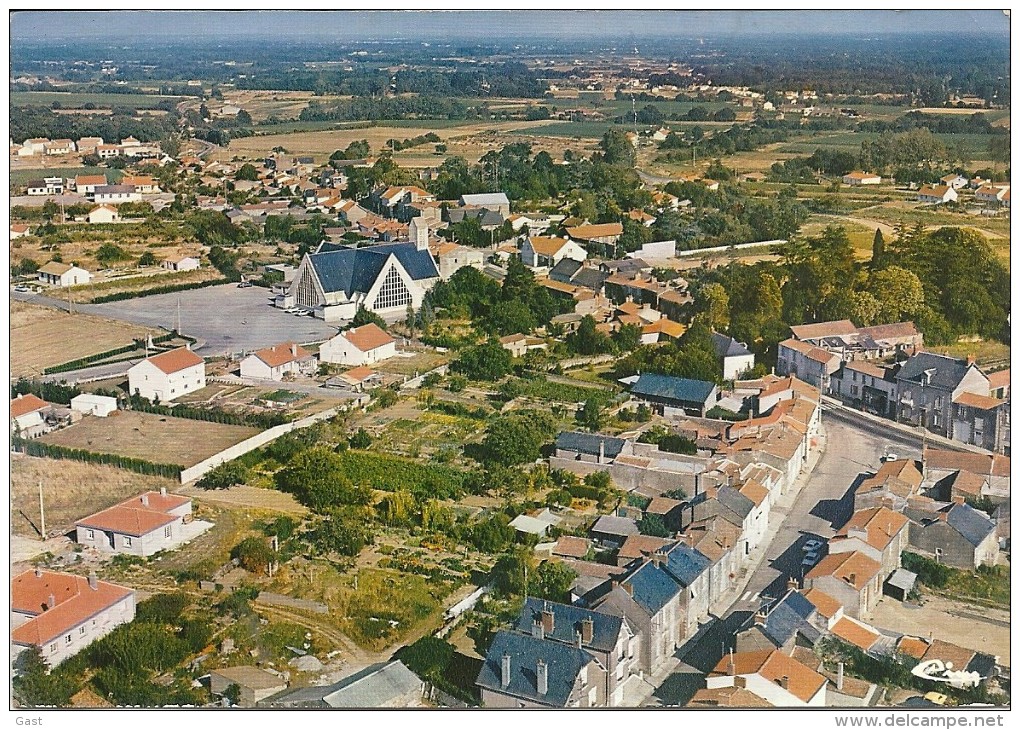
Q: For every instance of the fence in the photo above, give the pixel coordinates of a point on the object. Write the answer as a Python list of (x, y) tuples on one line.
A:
[(737, 247), (417, 381), (250, 444), (275, 599)]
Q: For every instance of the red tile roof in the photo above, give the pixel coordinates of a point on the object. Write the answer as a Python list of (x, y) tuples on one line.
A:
[(358, 374), (803, 682), (175, 360), (596, 231), (368, 337), (25, 404), (823, 329), (981, 402), (282, 354), (855, 569), (75, 602), (136, 517), (881, 524), (998, 379)]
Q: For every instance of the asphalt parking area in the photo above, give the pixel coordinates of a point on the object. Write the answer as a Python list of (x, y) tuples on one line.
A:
[(226, 318)]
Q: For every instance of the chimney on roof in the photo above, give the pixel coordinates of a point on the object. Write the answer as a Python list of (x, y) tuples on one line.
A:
[(740, 682), (970, 360), (851, 578), (958, 499), (548, 620), (145, 499), (760, 618), (293, 349), (505, 673), (587, 630), (51, 601), (93, 581), (784, 682), (162, 491), (731, 668), (578, 639), (542, 677), (38, 572), (839, 677), (537, 630)]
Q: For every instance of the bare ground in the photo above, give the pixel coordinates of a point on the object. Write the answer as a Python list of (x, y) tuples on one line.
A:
[(71, 490)]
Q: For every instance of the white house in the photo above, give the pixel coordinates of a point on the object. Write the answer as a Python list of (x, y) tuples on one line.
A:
[(19, 230), (991, 193), (780, 680), (106, 151), (86, 184), (59, 147), (272, 363), (541, 251), (955, 181), (358, 346), (140, 526), (27, 415), (104, 214), (182, 263), (858, 177), (96, 405), (116, 194), (497, 202), (335, 281), (61, 614), (936, 194), (735, 356), (167, 376), (35, 145), (58, 274)]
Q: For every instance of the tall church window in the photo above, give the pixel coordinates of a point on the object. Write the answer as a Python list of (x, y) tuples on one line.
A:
[(393, 292)]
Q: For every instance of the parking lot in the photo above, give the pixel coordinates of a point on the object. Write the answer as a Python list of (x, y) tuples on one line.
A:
[(227, 319)]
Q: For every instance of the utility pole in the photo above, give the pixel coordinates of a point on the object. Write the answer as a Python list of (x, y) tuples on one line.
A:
[(42, 512)]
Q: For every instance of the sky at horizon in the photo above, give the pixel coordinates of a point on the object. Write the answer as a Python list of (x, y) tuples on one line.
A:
[(488, 26)]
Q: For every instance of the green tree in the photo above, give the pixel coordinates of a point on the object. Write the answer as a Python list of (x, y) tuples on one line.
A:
[(364, 316), (510, 573), (653, 525), (35, 686), (628, 337), (147, 259), (316, 477), (428, 657), (899, 293), (587, 340), (593, 414), (493, 535), (360, 439), (253, 554), (551, 581), (517, 438), (247, 171), (878, 250), (714, 304), (345, 532), (225, 475), (488, 361)]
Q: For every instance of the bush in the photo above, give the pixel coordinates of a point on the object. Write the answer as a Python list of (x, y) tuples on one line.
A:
[(225, 475), (929, 572), (162, 608), (152, 291), (253, 554), (360, 439)]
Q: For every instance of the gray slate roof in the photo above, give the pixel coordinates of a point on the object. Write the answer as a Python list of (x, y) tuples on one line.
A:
[(588, 443), (726, 346), (589, 278), (485, 199), (374, 687), (789, 617), (353, 270), (946, 372), (678, 389), (973, 524), (612, 525), (567, 623), (485, 216), (564, 663), (686, 564), (652, 587), (565, 270), (735, 501), (903, 579)]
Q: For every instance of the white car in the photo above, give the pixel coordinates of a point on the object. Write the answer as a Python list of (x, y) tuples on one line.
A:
[(889, 457), (22, 288), (811, 546), (810, 559)]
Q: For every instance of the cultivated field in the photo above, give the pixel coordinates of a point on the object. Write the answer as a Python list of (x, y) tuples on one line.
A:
[(469, 141), (161, 439), (42, 337), (71, 490), (76, 99)]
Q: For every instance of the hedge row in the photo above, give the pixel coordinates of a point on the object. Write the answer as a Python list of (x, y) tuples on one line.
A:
[(167, 289), (142, 466), (213, 415), (90, 359)]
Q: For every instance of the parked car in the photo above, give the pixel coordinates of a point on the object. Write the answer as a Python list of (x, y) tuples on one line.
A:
[(889, 456), (244, 285), (811, 546), (810, 559), (22, 288)]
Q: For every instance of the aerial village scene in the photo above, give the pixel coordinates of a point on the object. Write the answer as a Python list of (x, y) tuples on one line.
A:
[(510, 359)]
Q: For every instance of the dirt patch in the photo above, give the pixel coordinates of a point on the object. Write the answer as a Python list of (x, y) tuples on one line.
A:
[(42, 337), (269, 500), (970, 626), (161, 439), (71, 490)]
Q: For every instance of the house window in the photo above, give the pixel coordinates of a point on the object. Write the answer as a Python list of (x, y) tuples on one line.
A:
[(938, 401), (81, 631), (938, 555), (584, 676), (593, 697), (127, 541), (167, 531), (67, 639), (90, 534), (53, 648)]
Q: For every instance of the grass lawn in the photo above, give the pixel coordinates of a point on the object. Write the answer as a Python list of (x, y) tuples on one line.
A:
[(986, 586), (150, 436), (429, 433)]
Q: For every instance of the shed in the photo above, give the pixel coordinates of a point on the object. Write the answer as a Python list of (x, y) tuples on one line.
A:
[(255, 684), (900, 584), (96, 405)]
